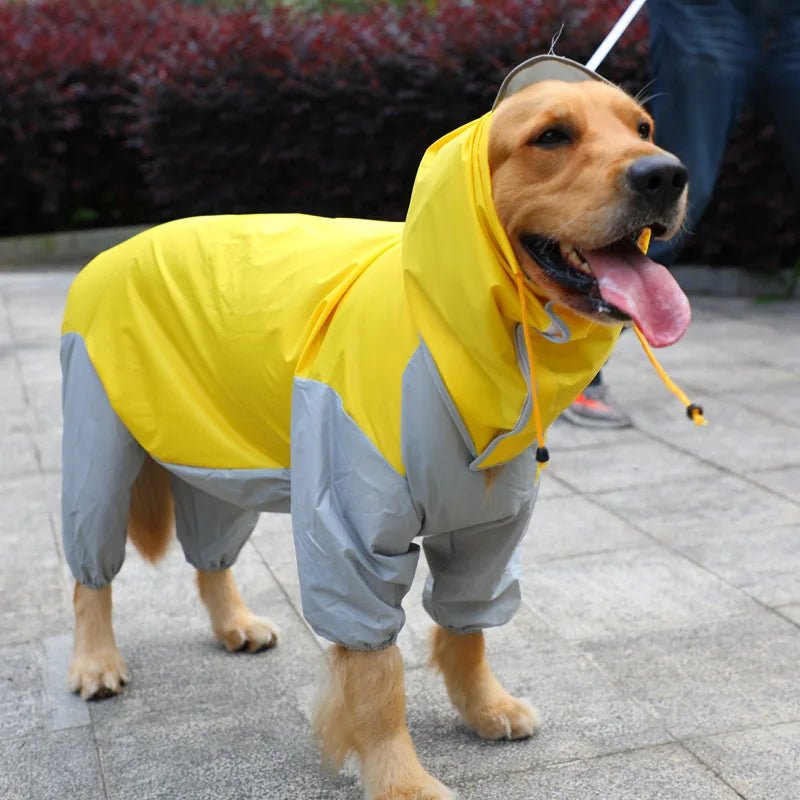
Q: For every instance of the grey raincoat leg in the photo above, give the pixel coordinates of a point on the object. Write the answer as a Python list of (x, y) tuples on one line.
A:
[(211, 531), (474, 580), (100, 463)]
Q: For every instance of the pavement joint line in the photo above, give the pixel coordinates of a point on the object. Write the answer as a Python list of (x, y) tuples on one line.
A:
[(66, 709), (685, 556), (685, 628), (718, 467), (565, 762), (713, 771), (742, 729), (779, 611)]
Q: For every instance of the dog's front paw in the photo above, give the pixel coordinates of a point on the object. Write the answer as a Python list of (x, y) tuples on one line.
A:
[(97, 675), (505, 717), (248, 632), (431, 790)]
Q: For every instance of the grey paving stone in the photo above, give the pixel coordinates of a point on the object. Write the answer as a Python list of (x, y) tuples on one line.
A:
[(761, 763), (572, 525), (736, 438), (659, 773), (551, 487), (791, 612), (583, 714), (637, 463), (781, 402), (234, 725), (247, 753), (687, 511), (33, 690), (22, 695), (32, 598), (713, 678), (765, 563), (563, 435), (53, 766), (785, 481), (18, 456), (628, 592)]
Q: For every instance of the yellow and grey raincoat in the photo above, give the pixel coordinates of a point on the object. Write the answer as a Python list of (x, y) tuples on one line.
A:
[(361, 374)]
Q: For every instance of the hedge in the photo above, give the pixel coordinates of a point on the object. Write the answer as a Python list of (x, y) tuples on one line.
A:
[(143, 110)]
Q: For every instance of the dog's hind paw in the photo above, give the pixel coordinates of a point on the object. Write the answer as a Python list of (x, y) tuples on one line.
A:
[(249, 633), (97, 675)]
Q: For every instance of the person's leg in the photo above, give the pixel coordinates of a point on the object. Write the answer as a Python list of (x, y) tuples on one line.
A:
[(703, 60), (594, 407), (779, 84)]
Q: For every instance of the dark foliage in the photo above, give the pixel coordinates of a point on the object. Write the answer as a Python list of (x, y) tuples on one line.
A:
[(140, 110)]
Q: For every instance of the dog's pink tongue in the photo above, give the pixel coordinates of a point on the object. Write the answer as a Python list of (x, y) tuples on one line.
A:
[(644, 290)]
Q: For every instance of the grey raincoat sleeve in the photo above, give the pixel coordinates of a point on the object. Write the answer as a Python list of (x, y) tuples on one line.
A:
[(353, 522)]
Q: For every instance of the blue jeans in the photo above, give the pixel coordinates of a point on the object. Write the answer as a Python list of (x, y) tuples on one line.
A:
[(708, 57)]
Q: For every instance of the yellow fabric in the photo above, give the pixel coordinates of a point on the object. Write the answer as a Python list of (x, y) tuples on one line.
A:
[(460, 270), (197, 327)]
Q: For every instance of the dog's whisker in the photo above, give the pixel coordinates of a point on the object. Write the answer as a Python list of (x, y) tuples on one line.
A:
[(638, 96)]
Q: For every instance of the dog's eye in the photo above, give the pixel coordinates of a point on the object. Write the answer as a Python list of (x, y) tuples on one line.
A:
[(552, 137), (644, 130)]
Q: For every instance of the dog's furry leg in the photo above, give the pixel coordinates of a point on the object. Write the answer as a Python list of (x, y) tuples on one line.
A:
[(232, 621), (484, 705), (362, 710), (97, 669)]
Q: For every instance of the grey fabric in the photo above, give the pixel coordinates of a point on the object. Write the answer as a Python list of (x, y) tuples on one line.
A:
[(353, 523), (474, 574), (211, 531), (354, 516), (254, 489), (471, 528), (527, 406), (100, 463)]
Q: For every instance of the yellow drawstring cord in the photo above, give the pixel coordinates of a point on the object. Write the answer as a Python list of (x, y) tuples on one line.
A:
[(542, 456), (694, 412)]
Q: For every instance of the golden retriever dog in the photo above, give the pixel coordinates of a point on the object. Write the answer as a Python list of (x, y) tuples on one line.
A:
[(574, 178)]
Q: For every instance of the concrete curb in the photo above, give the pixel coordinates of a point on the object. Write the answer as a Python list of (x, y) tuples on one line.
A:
[(61, 249), (75, 248)]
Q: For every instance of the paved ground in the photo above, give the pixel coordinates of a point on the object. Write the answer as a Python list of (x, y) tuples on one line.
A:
[(659, 635)]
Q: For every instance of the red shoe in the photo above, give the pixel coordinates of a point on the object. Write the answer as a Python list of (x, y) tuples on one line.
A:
[(594, 408)]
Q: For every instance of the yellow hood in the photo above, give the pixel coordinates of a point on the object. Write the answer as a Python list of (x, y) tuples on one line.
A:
[(460, 276)]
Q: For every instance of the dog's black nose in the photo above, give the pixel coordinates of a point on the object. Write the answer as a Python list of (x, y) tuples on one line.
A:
[(658, 179)]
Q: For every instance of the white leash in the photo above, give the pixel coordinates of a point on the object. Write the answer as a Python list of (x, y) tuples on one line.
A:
[(613, 35)]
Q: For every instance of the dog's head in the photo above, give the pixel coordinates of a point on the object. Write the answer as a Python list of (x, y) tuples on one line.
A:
[(576, 178)]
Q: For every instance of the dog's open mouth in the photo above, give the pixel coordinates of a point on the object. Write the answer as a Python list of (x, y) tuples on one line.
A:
[(617, 282)]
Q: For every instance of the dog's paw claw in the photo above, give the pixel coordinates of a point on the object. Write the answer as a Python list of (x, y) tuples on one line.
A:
[(249, 635), (97, 676), (509, 718)]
